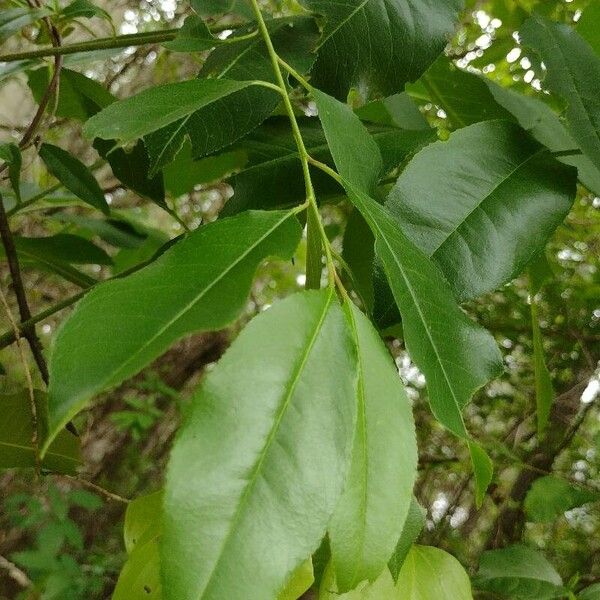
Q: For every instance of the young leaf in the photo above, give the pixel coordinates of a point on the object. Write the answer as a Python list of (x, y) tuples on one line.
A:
[(429, 573), (11, 155), (456, 356), (191, 288), (518, 572), (368, 520), (259, 465), (16, 449), (74, 175), (379, 45), (549, 497), (573, 74), (415, 521)]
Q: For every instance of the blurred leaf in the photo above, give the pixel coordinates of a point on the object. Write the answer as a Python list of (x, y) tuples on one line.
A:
[(84, 8), (11, 155), (587, 26), (193, 36), (12, 20), (519, 573)]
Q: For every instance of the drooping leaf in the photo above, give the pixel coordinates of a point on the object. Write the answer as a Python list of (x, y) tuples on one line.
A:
[(573, 74), (415, 521), (482, 230), (259, 465), (429, 573), (373, 508), (550, 497), (235, 115), (300, 581), (11, 155), (191, 288), (456, 356), (74, 175), (519, 573), (193, 36), (16, 429), (12, 20), (378, 46)]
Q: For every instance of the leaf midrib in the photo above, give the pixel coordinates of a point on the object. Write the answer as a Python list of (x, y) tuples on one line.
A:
[(274, 430)]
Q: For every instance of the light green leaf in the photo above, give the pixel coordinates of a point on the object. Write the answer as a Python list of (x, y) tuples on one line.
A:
[(191, 287), (456, 356), (415, 521), (140, 577), (13, 20), (11, 155), (549, 497), (573, 74), (74, 175), (373, 508), (590, 593), (301, 580), (259, 465), (143, 520), (16, 429), (381, 589), (482, 230), (157, 107), (519, 573), (429, 573), (377, 46)]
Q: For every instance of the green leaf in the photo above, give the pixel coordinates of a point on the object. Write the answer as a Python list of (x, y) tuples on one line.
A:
[(573, 74), (301, 580), (74, 175), (429, 573), (16, 429), (590, 593), (373, 508), (398, 110), (519, 573), (143, 521), (192, 288), (378, 46), (381, 589), (587, 26), (207, 8), (415, 521), (11, 155), (157, 107), (260, 463), (193, 36), (549, 497), (235, 115), (13, 20), (84, 8), (456, 356), (64, 247), (140, 577), (482, 231)]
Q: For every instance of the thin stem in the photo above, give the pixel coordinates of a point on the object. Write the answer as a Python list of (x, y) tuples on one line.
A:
[(326, 169), (25, 203), (310, 192), (295, 74), (28, 332), (96, 488)]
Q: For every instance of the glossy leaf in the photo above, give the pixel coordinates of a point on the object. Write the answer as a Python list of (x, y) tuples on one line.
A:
[(16, 429), (259, 465), (74, 175), (573, 74), (192, 288), (378, 46), (549, 497), (429, 573), (415, 521), (482, 227), (373, 508), (456, 356), (519, 573)]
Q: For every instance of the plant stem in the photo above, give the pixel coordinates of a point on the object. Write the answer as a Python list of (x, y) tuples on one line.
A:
[(96, 488), (315, 225)]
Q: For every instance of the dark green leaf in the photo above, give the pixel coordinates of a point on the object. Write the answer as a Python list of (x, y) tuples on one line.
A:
[(373, 508), (16, 449), (398, 110), (378, 46), (415, 521), (482, 230), (207, 8), (587, 26), (259, 465), (550, 497), (64, 247), (194, 36), (573, 74), (192, 288), (83, 8), (519, 573), (74, 175)]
